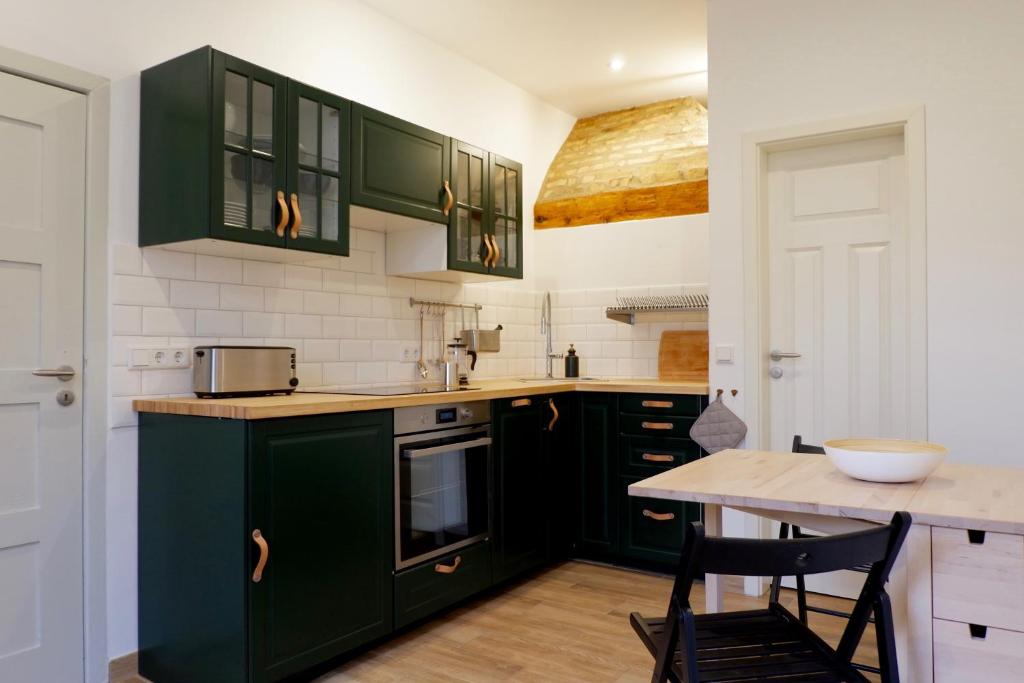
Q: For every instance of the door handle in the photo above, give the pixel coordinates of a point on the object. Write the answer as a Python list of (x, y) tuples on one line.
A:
[(64, 373), (282, 206), (521, 403), (451, 198), (554, 414), (659, 516), (779, 355), (497, 252), (298, 216), (490, 251), (414, 453), (448, 568), (657, 425), (257, 536), (655, 457)]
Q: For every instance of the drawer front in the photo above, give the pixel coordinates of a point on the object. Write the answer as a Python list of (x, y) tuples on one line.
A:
[(656, 425), (648, 455), (961, 656), (981, 582), (660, 404), (423, 590), (653, 528)]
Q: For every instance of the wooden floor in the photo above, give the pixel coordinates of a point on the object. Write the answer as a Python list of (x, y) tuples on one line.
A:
[(570, 623)]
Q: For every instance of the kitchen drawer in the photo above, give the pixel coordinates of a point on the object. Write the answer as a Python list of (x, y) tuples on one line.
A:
[(961, 656), (981, 582), (653, 528), (422, 591), (660, 404), (648, 455), (656, 425)]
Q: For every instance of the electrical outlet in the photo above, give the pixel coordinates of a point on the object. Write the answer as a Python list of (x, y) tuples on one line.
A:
[(160, 358), (410, 353)]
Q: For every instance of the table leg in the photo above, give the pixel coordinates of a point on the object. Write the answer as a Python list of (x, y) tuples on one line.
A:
[(713, 582)]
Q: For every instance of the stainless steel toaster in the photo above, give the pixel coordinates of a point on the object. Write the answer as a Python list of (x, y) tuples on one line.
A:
[(222, 371)]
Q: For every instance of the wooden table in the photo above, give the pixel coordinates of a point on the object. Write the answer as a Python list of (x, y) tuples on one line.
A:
[(966, 581)]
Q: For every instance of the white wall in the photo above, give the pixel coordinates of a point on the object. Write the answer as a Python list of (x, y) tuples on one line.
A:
[(337, 45), (658, 251), (788, 61)]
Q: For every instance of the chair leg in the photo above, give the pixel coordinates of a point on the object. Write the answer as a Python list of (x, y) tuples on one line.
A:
[(776, 585), (667, 649), (886, 639), (801, 599)]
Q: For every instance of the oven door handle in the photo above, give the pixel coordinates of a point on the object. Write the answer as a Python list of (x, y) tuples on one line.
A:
[(447, 448)]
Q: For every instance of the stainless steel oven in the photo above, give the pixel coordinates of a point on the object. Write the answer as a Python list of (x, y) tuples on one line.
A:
[(442, 465)]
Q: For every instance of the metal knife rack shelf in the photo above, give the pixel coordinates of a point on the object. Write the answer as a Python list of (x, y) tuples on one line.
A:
[(630, 306), (436, 307)]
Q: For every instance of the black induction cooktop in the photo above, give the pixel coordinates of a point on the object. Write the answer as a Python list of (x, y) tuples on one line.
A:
[(390, 390)]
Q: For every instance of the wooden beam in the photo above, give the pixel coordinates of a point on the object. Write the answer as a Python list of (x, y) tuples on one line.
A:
[(678, 199)]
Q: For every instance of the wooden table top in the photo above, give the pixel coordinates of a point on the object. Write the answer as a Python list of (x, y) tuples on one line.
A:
[(955, 495), (264, 407)]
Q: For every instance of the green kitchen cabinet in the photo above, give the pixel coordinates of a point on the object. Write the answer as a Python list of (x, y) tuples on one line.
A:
[(227, 151), (506, 219), (652, 529), (265, 548), (600, 495), (399, 167), (521, 516)]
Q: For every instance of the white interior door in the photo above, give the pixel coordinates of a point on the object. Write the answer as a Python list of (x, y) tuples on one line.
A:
[(838, 298), (42, 223)]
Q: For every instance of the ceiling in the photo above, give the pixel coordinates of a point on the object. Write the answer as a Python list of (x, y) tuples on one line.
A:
[(559, 50)]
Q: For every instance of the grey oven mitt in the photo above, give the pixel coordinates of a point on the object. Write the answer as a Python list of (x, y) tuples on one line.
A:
[(718, 428)]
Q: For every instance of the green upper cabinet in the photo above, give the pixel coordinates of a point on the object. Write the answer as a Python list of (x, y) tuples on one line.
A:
[(221, 156), (318, 169), (468, 242), (400, 167), (506, 220)]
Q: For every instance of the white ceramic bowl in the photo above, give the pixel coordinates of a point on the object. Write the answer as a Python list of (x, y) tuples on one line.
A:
[(885, 460)]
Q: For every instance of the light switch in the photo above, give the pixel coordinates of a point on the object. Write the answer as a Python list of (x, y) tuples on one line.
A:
[(723, 353)]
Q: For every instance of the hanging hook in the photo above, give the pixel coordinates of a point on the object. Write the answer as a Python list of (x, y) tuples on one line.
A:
[(719, 393), (735, 391)]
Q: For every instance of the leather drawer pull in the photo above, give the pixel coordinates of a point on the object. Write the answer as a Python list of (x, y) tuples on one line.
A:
[(521, 403), (657, 404), (978, 631), (654, 457), (257, 536), (657, 425), (975, 536), (448, 568), (659, 516)]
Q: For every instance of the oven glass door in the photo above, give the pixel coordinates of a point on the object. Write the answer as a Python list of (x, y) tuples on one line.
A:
[(442, 494)]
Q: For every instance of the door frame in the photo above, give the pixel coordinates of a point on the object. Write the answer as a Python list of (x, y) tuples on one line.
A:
[(95, 339), (756, 146)]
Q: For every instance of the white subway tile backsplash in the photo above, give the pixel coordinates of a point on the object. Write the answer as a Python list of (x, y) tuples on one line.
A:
[(263, 273), (218, 269), (188, 294), (359, 261), (303, 277), (427, 290), (339, 373), (403, 329), (371, 373), (371, 284), (371, 328), (145, 291), (282, 300), (241, 298), (219, 323), (387, 350), (356, 349), (339, 327), (172, 264), (126, 319), (308, 326), (369, 240), (177, 381), (356, 305), (320, 350), (259, 324), (124, 381), (320, 303), (126, 259), (310, 374), (339, 281), (168, 321)]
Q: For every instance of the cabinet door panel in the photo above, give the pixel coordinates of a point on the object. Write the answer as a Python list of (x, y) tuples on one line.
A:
[(520, 516), (652, 529), (466, 248), (318, 169), (322, 498), (397, 166), (599, 475), (506, 224), (249, 156)]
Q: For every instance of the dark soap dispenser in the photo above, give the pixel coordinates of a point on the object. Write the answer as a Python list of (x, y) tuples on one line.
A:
[(572, 363)]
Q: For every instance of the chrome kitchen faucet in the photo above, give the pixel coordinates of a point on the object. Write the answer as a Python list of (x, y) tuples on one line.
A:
[(545, 329)]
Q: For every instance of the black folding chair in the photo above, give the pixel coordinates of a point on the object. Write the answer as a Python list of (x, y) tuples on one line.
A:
[(801, 589), (773, 644)]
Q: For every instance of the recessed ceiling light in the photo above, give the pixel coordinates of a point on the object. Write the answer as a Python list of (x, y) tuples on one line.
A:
[(616, 63)]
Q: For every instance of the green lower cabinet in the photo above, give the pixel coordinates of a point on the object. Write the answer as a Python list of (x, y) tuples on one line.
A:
[(652, 529), (429, 588), (322, 498), (598, 477), (561, 445)]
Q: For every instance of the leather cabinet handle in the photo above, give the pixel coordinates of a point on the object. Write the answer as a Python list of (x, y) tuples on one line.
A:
[(659, 516), (282, 206), (654, 457), (448, 568), (521, 403), (257, 574), (656, 404), (298, 216), (554, 414), (490, 251), (450, 202), (657, 425)]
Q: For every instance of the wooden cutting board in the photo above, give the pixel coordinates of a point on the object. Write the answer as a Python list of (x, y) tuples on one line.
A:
[(683, 355)]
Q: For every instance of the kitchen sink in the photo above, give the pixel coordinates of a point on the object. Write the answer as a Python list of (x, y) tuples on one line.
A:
[(562, 379)]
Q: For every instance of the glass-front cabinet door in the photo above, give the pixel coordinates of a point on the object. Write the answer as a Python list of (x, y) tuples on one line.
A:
[(318, 170), (506, 178), (249, 156), (469, 245)]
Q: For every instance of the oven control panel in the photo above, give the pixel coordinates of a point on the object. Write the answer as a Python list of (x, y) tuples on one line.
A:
[(428, 418)]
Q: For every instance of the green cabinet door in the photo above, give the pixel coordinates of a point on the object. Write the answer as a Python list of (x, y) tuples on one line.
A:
[(321, 496), (520, 466), (468, 241), (599, 495), (319, 139), (560, 420), (506, 221), (398, 166), (652, 529)]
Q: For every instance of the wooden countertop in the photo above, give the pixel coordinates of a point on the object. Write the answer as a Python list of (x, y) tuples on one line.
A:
[(955, 495), (265, 407)]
